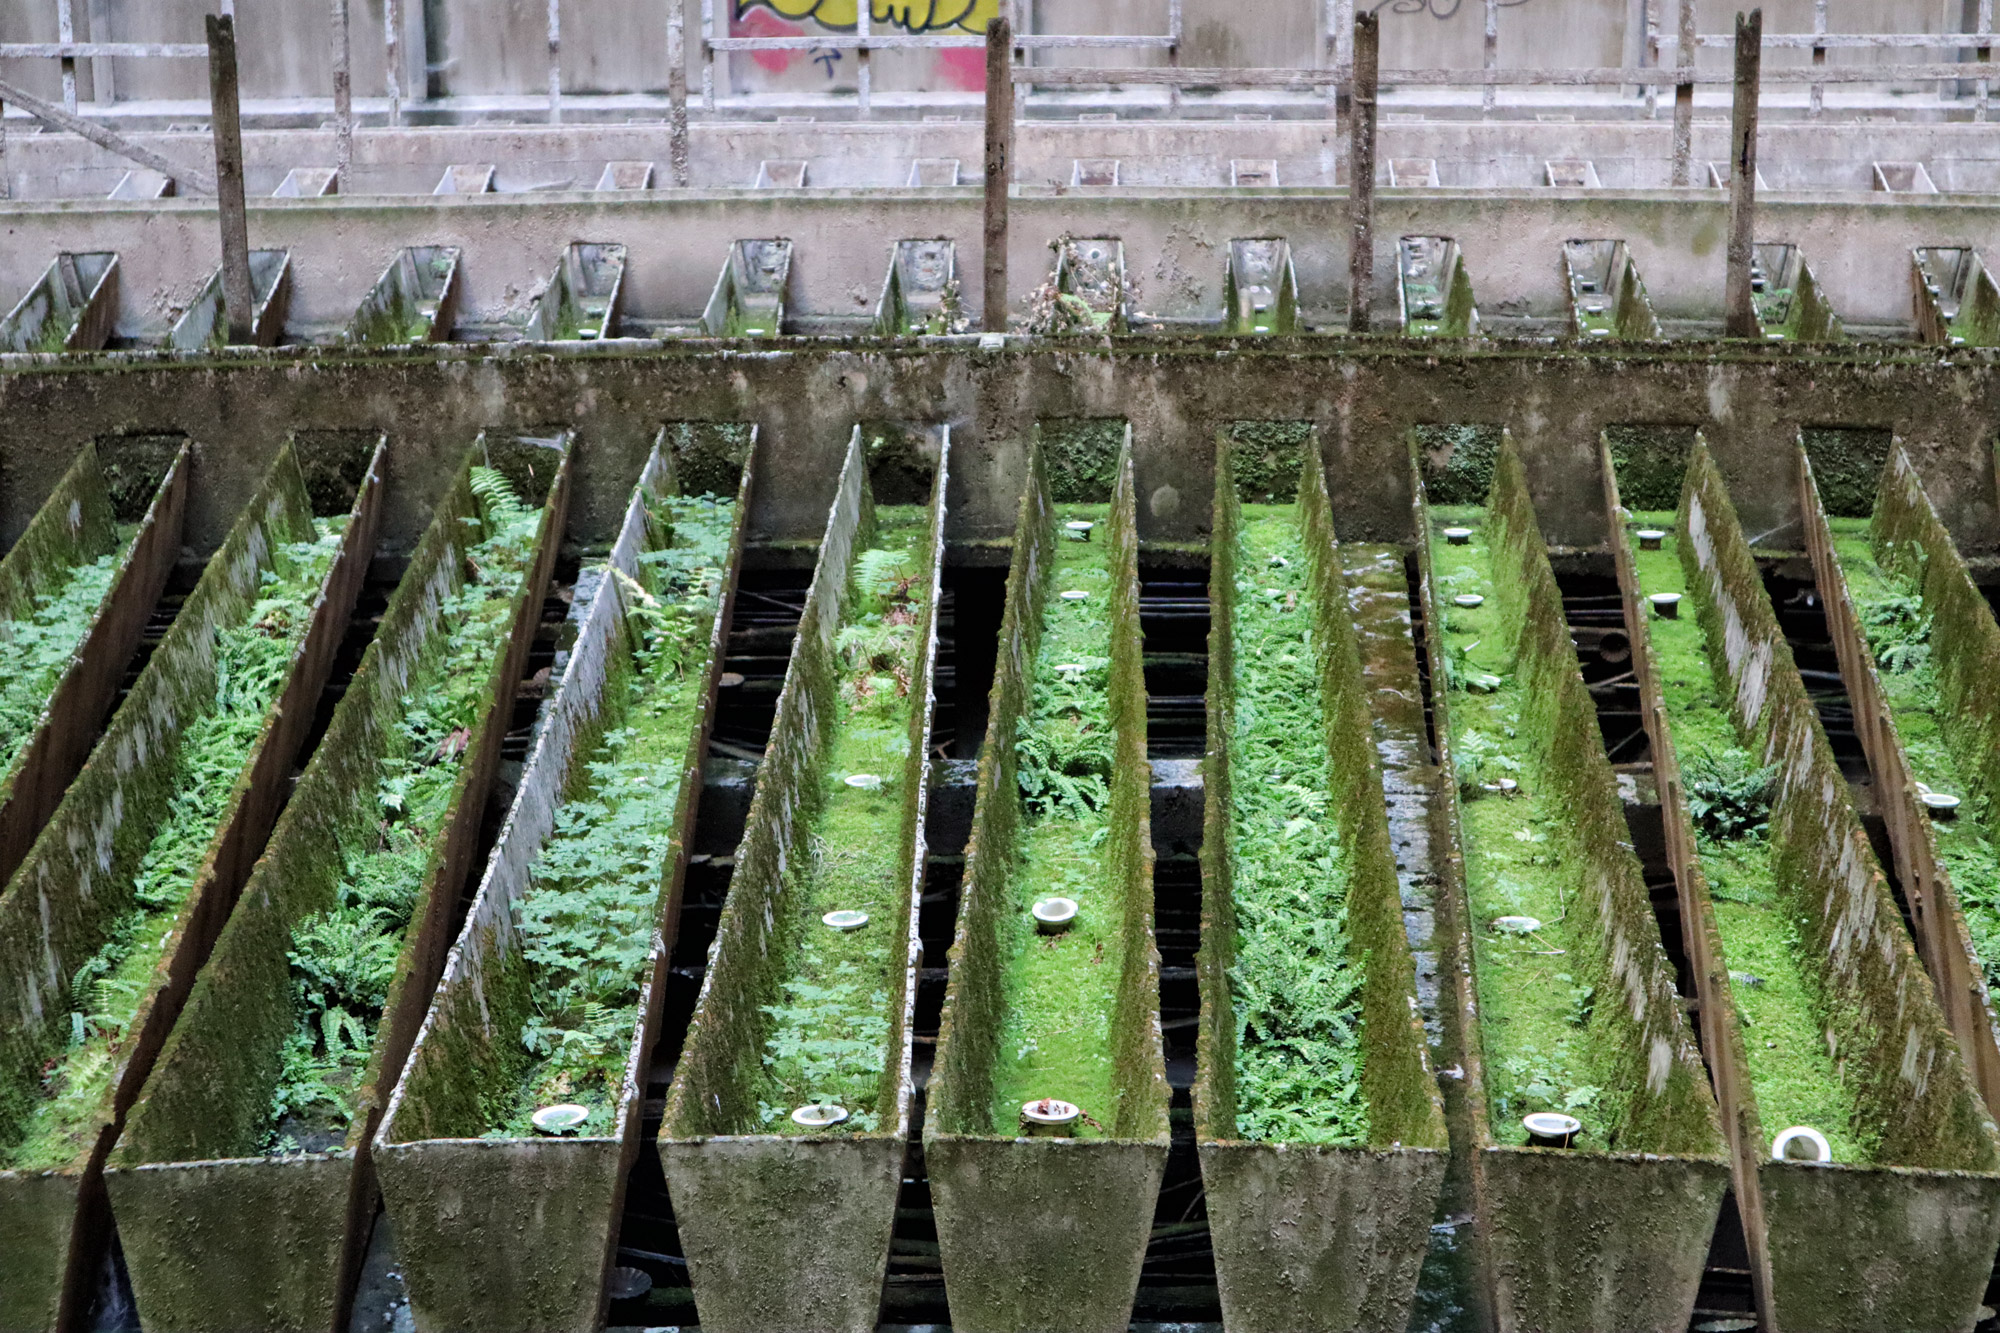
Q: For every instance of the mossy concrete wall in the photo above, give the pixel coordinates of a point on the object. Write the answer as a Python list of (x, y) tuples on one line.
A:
[(282, 1234), (75, 525), (78, 879), (1076, 1264), (472, 1257), (1934, 1174), (239, 406), (1591, 1240), (1311, 1237)]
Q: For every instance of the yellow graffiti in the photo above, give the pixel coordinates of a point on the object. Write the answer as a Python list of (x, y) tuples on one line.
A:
[(909, 15)]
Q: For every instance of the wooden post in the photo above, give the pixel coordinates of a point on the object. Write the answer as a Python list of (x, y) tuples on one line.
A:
[(1816, 96), (392, 43), (66, 32), (6, 178), (864, 64), (555, 62), (226, 124), (1490, 56), (999, 168), (1361, 186), (1741, 308), (1982, 54), (1684, 96), (343, 90), (677, 90)]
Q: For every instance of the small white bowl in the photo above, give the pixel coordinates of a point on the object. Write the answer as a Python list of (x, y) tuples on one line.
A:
[(561, 1119), (1484, 684), (1666, 605), (1075, 595), (1651, 539), (1079, 529), (1054, 915), (819, 1115), (845, 920), (864, 781), (626, 1284), (1551, 1129), (1468, 600), (1050, 1117), (1940, 805), (1501, 786), (1515, 925), (1806, 1134), (1458, 536)]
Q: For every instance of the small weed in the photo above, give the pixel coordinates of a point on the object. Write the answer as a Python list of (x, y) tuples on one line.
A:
[(1728, 795)]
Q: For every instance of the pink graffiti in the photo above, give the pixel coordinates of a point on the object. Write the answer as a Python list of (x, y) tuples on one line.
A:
[(763, 23), (964, 68)]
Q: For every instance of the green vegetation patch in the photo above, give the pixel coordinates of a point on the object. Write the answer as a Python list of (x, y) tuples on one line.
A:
[(41, 643), (709, 455), (1899, 627), (828, 1040), (1296, 982), (253, 656), (1061, 990), (1081, 455), (1650, 463), (1265, 457), (1774, 989), (1847, 465), (1536, 991), (1458, 462), (587, 917), (344, 959)]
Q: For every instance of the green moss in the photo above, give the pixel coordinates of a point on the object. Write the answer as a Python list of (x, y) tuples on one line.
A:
[(1296, 981), (1847, 465), (344, 959), (1266, 457), (709, 455), (1081, 455), (252, 661), (830, 1037), (1899, 624), (1773, 985), (1458, 462), (1650, 463), (1536, 995), (1061, 990), (586, 919), (41, 645)]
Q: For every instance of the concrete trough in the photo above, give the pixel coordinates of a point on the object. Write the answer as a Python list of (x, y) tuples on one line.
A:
[(1956, 302), (1790, 305), (1606, 297), (72, 309), (921, 293), (751, 293), (1040, 1231), (1895, 1226), (281, 1227), (205, 323), (584, 298), (414, 301), (454, 1152), (81, 882), (1260, 293), (787, 1231), (77, 526), (1566, 1004), (1309, 1235), (1433, 289)]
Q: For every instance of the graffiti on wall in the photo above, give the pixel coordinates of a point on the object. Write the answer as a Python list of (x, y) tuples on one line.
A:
[(906, 15)]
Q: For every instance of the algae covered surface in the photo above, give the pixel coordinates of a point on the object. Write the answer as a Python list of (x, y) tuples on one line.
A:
[(40, 646), (828, 1039), (1061, 989), (1535, 1003), (1774, 988), (252, 661), (344, 959), (587, 917), (1295, 984), (1898, 626)]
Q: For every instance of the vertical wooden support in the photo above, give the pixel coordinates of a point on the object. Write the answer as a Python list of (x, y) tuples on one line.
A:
[(999, 168), (1816, 97), (6, 178), (864, 63), (677, 91), (343, 89), (392, 42), (66, 33), (707, 56), (226, 126), (1361, 188), (1490, 58), (555, 62), (1983, 53), (1684, 95), (1174, 57), (1741, 309), (1650, 25)]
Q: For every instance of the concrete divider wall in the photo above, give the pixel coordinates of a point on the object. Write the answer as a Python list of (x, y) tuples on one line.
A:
[(1935, 1207), (284, 1232)]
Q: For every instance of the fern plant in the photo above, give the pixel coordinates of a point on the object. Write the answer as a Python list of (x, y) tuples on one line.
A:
[(1729, 796)]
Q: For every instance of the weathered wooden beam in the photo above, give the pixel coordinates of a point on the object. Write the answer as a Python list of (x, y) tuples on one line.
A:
[(1741, 309), (999, 169), (226, 125), (58, 119), (1684, 97), (677, 92), (343, 89), (1361, 184)]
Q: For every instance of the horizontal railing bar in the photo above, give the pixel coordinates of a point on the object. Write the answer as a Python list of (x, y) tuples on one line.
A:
[(938, 41), (1806, 41), (1188, 76), (85, 50)]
